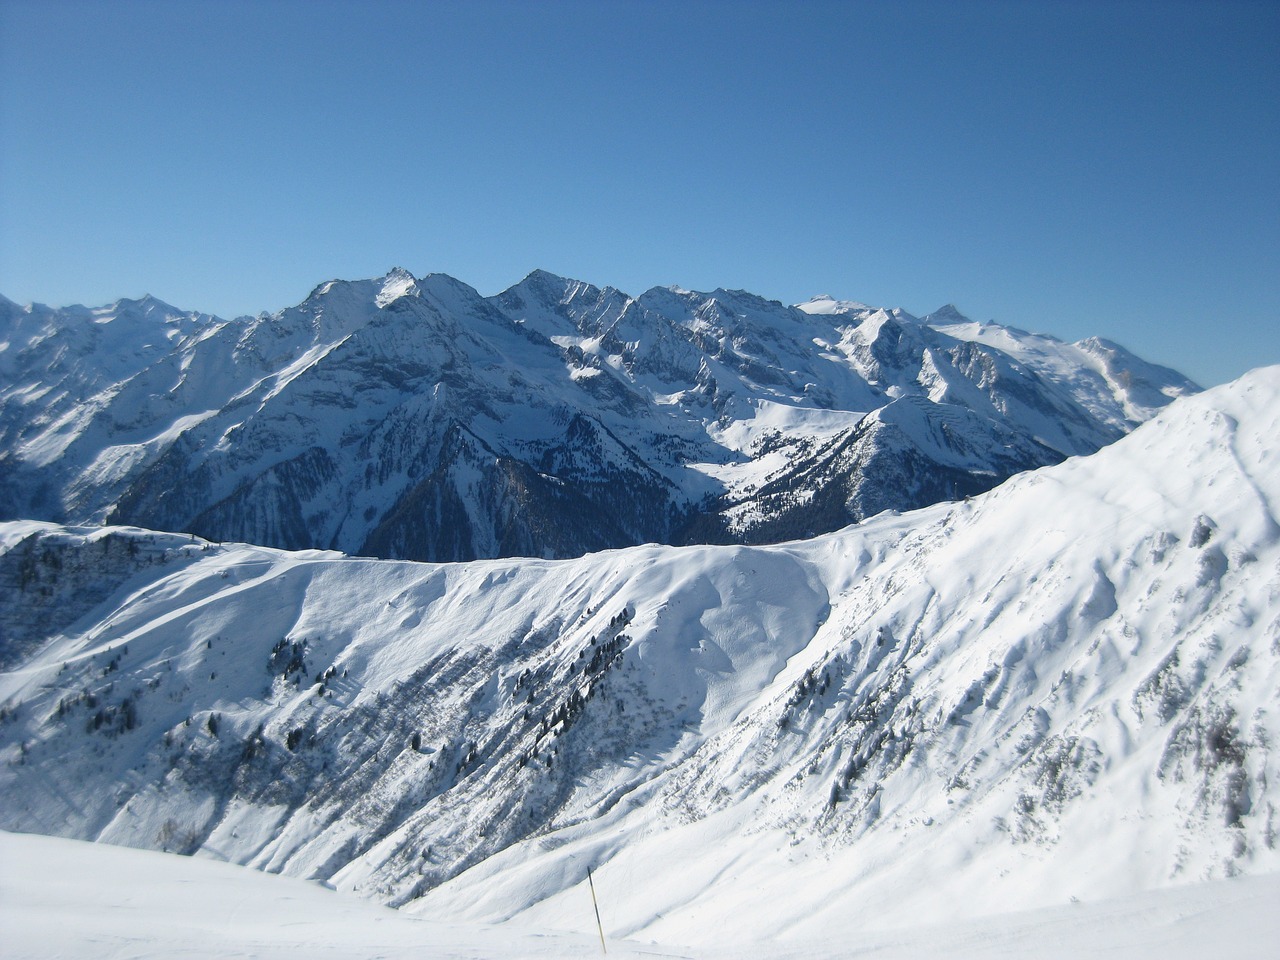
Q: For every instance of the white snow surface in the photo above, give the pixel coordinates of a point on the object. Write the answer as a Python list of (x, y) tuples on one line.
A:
[(54, 903), (1117, 386), (1060, 696)]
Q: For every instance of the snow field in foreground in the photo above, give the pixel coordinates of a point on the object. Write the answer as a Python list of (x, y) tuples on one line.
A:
[(70, 899)]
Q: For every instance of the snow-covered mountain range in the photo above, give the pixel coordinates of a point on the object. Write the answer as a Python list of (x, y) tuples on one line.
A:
[(405, 417), (1065, 688)]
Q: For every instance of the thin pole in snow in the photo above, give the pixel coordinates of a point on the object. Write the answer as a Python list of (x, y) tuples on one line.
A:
[(599, 925)]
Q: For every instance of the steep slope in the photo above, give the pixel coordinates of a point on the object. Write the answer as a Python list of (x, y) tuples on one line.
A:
[(908, 454), (1064, 688), (412, 418), (1116, 386)]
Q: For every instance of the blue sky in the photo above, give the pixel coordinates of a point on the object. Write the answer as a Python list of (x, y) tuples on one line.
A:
[(1072, 168)]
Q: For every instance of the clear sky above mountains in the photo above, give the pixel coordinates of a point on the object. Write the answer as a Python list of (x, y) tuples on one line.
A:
[(1073, 168)]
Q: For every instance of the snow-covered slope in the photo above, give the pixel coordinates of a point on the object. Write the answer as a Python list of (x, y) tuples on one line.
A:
[(1117, 387), (1063, 689), (54, 903), (411, 417)]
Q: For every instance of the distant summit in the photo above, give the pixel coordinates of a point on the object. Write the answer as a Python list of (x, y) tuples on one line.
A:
[(947, 313)]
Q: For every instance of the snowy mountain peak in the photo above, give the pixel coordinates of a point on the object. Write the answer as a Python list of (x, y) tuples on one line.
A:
[(826, 305), (549, 289), (545, 278), (396, 284), (146, 306), (947, 313)]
